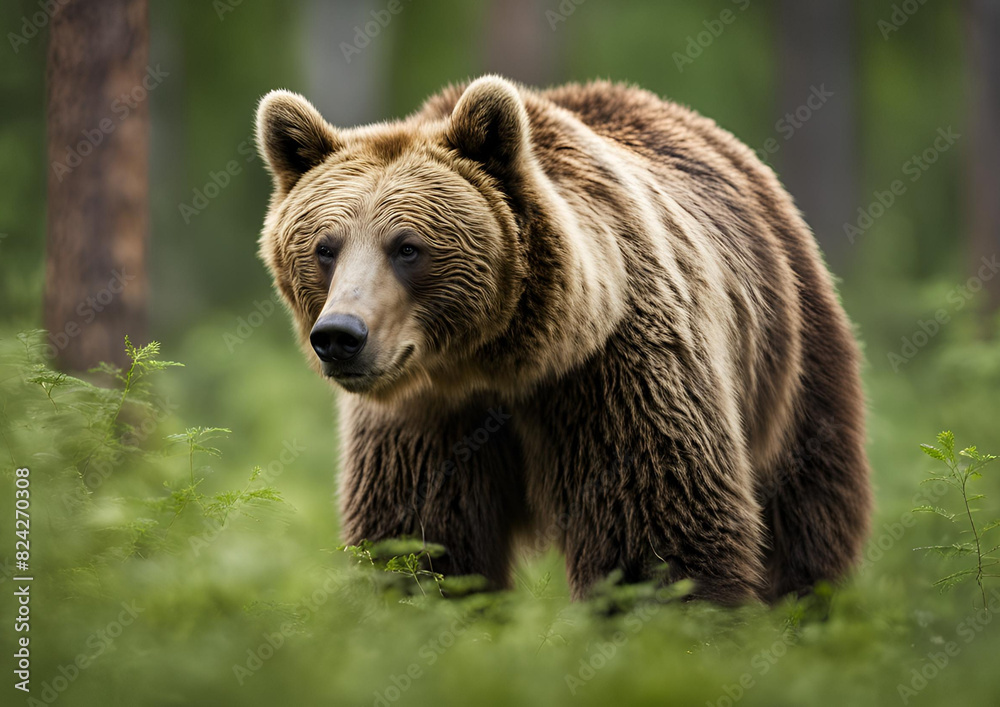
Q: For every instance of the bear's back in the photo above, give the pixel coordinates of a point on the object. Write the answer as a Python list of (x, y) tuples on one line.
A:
[(693, 156), (703, 165)]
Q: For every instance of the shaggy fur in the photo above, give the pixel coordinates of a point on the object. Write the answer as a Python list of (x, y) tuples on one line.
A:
[(617, 332)]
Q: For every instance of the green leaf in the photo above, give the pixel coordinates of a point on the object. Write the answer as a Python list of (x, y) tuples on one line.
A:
[(265, 494), (953, 550), (407, 564), (935, 510), (970, 452), (946, 478), (360, 553), (992, 525), (196, 436), (212, 451), (934, 452), (541, 585), (976, 455), (149, 366), (952, 579), (947, 441)]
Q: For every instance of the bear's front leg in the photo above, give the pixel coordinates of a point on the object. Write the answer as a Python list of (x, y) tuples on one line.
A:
[(451, 477), (632, 513), (643, 475)]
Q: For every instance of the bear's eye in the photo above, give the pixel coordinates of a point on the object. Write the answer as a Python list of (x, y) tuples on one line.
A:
[(407, 252), (324, 252)]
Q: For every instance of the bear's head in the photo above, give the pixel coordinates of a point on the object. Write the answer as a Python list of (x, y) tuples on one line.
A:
[(396, 245)]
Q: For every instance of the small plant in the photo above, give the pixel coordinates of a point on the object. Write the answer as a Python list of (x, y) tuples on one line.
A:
[(392, 557), (195, 438), (224, 504), (38, 373), (142, 362), (410, 566), (958, 474), (102, 430), (49, 381), (220, 506)]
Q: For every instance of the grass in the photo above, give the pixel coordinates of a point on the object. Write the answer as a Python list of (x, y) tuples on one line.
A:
[(184, 547)]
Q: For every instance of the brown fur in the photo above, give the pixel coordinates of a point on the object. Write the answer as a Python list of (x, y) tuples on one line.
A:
[(626, 282)]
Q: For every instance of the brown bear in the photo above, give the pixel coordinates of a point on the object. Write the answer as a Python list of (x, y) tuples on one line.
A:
[(584, 313)]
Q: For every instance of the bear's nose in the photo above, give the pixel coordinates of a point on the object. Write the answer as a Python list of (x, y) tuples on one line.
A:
[(338, 337)]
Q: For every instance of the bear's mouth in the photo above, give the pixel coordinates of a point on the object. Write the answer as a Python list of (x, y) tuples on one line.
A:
[(359, 381)]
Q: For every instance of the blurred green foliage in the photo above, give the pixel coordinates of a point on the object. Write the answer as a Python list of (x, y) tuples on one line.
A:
[(206, 609), (194, 565)]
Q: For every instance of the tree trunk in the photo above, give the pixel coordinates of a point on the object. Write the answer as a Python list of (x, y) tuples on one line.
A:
[(817, 161), (98, 191), (983, 188)]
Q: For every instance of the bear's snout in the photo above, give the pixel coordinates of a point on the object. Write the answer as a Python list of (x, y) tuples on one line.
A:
[(338, 337)]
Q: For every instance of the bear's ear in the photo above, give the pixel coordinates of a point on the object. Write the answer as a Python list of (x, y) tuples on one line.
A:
[(292, 137), (490, 125)]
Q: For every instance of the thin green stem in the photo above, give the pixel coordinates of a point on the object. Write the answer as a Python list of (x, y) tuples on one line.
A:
[(114, 418), (48, 394), (236, 501), (963, 478)]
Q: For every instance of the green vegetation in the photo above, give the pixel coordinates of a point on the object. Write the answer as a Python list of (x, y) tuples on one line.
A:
[(959, 476), (161, 580)]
